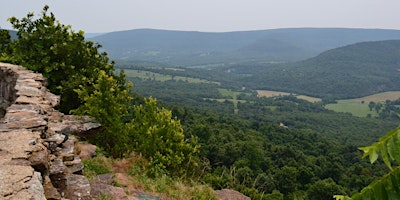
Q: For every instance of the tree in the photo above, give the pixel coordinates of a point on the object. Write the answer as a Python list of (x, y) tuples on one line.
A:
[(371, 105), (388, 186), (108, 103), (5, 39), (159, 137), (324, 189), (63, 56), (378, 107)]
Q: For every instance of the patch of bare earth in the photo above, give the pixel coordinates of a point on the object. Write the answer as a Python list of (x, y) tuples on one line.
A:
[(121, 170)]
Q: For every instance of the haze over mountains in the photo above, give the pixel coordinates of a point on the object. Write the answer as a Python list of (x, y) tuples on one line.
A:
[(186, 48), (354, 70)]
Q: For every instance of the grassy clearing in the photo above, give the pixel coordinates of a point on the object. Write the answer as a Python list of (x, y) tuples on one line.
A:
[(233, 98), (359, 106), (270, 93), (380, 97), (130, 174), (352, 106), (163, 77), (309, 99), (229, 93)]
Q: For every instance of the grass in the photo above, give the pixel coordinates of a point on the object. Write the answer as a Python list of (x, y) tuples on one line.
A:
[(380, 97), (232, 97), (270, 93), (352, 106), (130, 174), (359, 106), (164, 77), (97, 165)]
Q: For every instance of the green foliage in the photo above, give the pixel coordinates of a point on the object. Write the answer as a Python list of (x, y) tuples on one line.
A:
[(5, 39), (176, 188), (95, 166), (63, 56), (386, 187), (159, 137), (355, 108), (108, 103), (323, 189)]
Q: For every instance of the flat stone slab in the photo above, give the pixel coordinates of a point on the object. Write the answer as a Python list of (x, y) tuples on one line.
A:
[(24, 119), (17, 178)]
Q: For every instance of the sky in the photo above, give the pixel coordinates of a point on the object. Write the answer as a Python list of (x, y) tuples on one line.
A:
[(99, 16)]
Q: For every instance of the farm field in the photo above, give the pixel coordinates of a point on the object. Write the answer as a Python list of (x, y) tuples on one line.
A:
[(352, 106), (163, 77), (233, 95), (380, 97), (270, 93), (359, 106)]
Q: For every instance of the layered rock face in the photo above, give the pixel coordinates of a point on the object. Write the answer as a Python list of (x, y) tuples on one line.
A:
[(38, 157)]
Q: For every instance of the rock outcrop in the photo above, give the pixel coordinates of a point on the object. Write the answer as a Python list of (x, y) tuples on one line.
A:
[(38, 157)]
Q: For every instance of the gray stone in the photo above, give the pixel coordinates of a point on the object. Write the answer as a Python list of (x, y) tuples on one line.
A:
[(30, 128), (36, 188), (24, 108), (75, 166), (114, 193), (24, 119), (23, 90), (14, 178), (85, 150), (78, 187), (19, 143), (50, 191), (40, 161), (52, 98), (105, 178), (58, 175), (227, 194)]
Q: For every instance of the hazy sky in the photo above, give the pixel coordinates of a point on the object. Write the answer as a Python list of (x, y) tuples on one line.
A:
[(210, 15)]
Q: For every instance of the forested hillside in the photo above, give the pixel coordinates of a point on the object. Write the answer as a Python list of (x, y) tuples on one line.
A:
[(352, 71), (185, 48)]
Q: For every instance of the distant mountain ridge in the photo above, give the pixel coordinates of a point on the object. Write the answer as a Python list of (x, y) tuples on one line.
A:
[(186, 48), (351, 71)]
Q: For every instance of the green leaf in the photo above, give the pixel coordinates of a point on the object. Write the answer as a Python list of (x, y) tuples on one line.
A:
[(380, 191), (373, 154), (385, 155), (394, 148)]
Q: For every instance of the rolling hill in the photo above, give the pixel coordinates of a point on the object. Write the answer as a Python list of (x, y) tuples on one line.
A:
[(188, 48), (347, 72)]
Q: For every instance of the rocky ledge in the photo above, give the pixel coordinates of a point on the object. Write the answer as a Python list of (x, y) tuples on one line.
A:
[(38, 156)]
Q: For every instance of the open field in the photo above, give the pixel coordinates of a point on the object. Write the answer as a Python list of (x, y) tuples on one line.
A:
[(233, 95), (234, 101), (308, 98), (163, 77), (359, 106), (380, 97), (270, 93), (352, 106), (229, 93)]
